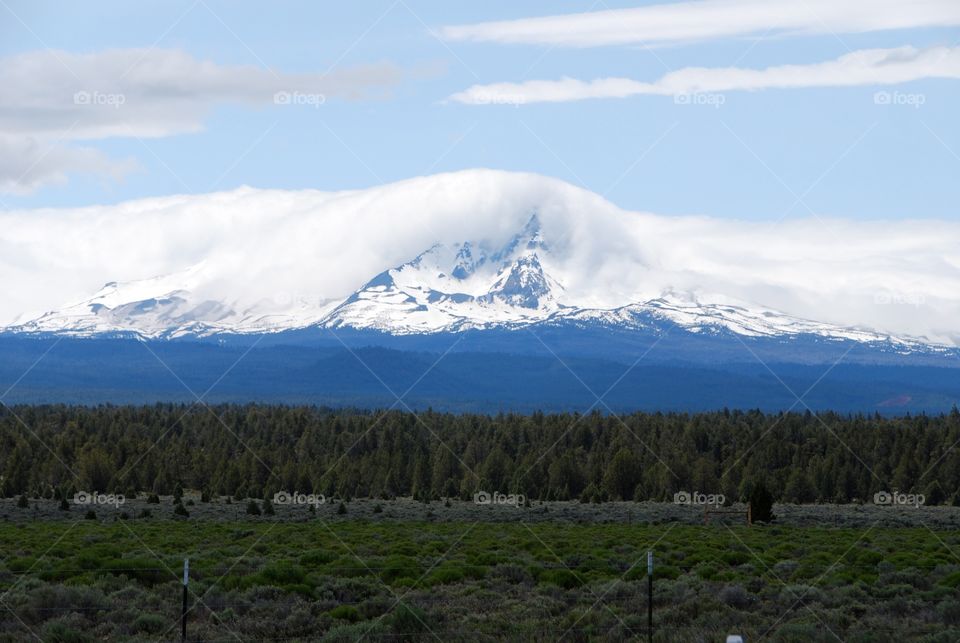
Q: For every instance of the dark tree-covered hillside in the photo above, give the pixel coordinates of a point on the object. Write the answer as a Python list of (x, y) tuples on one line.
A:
[(255, 451)]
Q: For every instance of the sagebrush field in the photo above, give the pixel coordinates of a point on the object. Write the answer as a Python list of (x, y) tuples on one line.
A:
[(334, 575)]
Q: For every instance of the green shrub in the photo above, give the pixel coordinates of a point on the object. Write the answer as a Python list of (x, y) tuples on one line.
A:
[(951, 580), (282, 573), (514, 574), (317, 558), (736, 596), (352, 632), (151, 624), (665, 571), (144, 570), (949, 612), (408, 620), (58, 632), (345, 613), (734, 558), (561, 578), (445, 574), (400, 567)]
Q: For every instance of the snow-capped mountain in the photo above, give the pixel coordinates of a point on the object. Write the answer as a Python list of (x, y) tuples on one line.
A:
[(487, 250), (450, 288), (300, 297), (446, 288)]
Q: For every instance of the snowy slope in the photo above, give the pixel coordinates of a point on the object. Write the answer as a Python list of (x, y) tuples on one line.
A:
[(446, 288), (168, 307), (475, 250), (449, 288)]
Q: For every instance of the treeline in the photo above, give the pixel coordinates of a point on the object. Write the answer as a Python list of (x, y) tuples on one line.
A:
[(256, 451)]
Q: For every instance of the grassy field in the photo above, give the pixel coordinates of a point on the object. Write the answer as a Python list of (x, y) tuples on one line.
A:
[(339, 576)]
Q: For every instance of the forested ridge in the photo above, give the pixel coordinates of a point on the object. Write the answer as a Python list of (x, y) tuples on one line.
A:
[(257, 450)]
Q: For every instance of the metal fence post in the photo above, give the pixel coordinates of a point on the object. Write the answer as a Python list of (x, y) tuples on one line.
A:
[(183, 610)]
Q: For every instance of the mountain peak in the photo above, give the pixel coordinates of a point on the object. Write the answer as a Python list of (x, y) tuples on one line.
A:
[(467, 261), (529, 239), (523, 284)]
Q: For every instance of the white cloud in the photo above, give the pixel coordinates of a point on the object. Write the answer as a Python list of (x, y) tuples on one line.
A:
[(683, 22), (50, 96), (897, 276), (27, 164), (865, 67)]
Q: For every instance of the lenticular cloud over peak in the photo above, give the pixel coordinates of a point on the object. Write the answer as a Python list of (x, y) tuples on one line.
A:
[(276, 258)]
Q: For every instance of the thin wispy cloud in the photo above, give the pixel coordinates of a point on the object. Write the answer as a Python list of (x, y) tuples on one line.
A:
[(865, 67), (26, 163), (53, 97), (687, 22)]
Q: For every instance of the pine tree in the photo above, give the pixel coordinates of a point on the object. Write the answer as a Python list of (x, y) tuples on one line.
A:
[(622, 475), (761, 503)]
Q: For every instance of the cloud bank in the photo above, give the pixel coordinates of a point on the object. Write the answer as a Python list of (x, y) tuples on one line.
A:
[(253, 245), (51, 98), (686, 22), (864, 67)]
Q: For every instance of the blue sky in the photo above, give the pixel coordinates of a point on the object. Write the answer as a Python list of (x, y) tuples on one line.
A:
[(763, 154)]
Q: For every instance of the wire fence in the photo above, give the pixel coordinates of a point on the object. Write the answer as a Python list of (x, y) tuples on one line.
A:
[(216, 606)]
